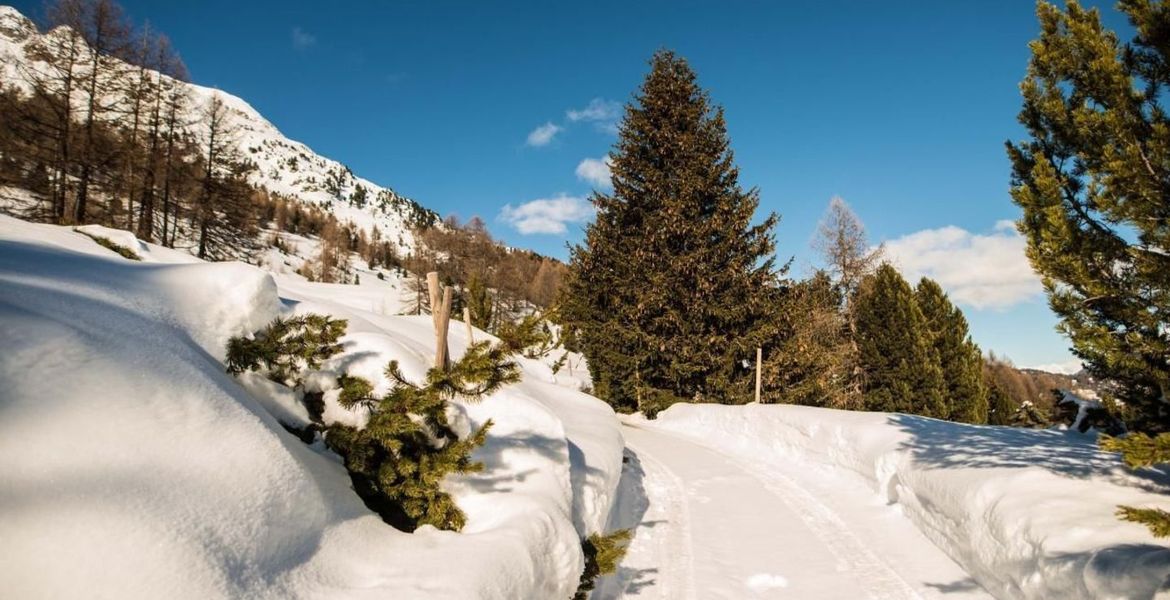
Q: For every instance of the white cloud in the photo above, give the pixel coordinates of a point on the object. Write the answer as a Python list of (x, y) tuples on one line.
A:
[(596, 172), (603, 113), (981, 271), (543, 135), (547, 215), (302, 38)]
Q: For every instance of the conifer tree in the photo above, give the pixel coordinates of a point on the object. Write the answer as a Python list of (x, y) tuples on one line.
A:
[(813, 363), (1140, 450), (1000, 407), (1093, 181), (286, 347), (673, 288), (901, 367), (399, 459), (959, 358), (480, 302)]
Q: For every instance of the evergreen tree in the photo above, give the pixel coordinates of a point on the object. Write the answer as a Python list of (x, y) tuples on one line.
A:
[(480, 302), (673, 288), (1093, 181), (901, 367), (1140, 450), (286, 347), (1000, 408), (813, 362), (399, 459), (959, 358)]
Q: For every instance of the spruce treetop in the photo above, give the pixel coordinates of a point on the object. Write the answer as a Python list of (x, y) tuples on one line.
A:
[(673, 285)]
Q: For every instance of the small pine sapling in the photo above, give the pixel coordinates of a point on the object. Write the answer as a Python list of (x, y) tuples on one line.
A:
[(399, 459), (603, 553), (286, 347), (1140, 450), (530, 336)]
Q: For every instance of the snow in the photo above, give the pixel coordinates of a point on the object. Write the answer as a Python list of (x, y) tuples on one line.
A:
[(711, 524), (1026, 513), (133, 466)]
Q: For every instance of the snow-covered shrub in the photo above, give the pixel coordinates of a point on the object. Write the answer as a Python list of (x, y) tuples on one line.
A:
[(286, 347), (529, 336), (408, 446), (603, 553)]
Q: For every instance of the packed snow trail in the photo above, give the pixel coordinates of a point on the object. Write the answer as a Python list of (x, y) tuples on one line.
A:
[(708, 525)]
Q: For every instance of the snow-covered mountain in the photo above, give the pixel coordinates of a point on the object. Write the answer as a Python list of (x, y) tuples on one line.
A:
[(283, 166)]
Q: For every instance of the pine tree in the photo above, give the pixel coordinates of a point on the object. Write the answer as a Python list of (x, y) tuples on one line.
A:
[(674, 286), (480, 302), (813, 363), (901, 368), (286, 347), (959, 358), (1093, 181), (1140, 450), (399, 459), (603, 553), (1000, 409)]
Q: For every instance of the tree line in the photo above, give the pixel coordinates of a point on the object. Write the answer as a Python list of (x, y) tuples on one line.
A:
[(676, 285), (101, 128)]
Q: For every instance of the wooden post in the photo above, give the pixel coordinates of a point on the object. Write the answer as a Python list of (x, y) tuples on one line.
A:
[(436, 299), (759, 360), (442, 321), (467, 320)]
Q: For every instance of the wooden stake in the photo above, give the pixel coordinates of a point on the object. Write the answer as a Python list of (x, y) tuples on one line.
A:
[(467, 320), (759, 360), (436, 300), (443, 320)]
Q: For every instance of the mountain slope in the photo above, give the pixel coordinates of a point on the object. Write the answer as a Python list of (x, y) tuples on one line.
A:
[(283, 166)]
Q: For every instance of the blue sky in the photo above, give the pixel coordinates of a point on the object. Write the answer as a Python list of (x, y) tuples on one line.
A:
[(901, 108)]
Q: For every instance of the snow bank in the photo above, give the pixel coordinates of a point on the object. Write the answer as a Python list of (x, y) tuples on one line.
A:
[(132, 466), (1029, 514)]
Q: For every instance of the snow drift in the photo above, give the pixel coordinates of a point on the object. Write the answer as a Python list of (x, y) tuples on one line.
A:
[(1029, 514), (132, 466)]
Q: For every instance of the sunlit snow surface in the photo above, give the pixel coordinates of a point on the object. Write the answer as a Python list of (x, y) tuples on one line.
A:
[(764, 501), (132, 466)]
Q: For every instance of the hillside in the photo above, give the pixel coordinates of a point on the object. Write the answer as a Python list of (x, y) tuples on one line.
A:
[(282, 166)]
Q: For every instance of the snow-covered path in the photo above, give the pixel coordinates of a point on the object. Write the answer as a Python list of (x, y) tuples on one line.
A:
[(708, 525)]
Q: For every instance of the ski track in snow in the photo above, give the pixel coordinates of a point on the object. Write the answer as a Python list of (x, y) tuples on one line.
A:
[(678, 543), (882, 582), (716, 526)]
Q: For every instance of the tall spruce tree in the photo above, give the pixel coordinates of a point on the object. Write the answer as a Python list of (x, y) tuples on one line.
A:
[(1093, 181), (901, 367), (674, 286), (958, 356)]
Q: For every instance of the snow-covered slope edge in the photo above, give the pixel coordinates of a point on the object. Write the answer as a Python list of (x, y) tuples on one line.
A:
[(132, 466), (1029, 514)]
